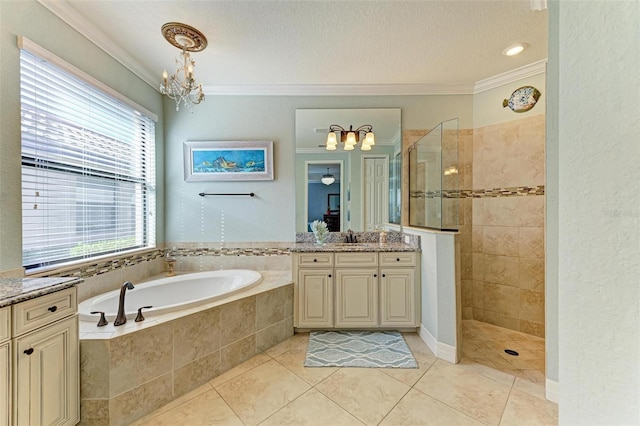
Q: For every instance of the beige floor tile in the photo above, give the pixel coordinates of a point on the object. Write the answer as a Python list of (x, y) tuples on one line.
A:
[(312, 408), (366, 393), (418, 409), (468, 391), (293, 360), (410, 376), (292, 342), (416, 344), (530, 387), (206, 409), (173, 404), (477, 366), (525, 409), (249, 364), (258, 393)]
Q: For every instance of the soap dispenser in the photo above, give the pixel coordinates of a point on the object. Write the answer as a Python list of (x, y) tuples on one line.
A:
[(383, 237)]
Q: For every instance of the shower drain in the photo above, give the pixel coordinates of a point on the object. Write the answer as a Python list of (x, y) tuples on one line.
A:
[(511, 352)]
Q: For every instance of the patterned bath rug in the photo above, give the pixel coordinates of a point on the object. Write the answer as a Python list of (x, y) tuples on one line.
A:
[(386, 349)]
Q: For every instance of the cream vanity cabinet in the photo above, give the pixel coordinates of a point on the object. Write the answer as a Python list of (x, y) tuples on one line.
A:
[(314, 299), (356, 290), (46, 381), (398, 290), (5, 366), (356, 298)]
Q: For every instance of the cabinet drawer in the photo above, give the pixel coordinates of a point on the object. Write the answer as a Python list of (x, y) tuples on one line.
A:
[(43, 310), (407, 258), (315, 260), (361, 259), (5, 324)]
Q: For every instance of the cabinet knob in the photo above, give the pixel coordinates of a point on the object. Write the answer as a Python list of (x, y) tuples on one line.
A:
[(315, 260), (375, 275), (384, 275), (52, 308), (329, 275), (28, 351), (398, 259)]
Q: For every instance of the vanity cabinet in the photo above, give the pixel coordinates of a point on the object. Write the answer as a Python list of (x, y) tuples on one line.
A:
[(46, 381), (314, 299), (5, 366), (361, 290)]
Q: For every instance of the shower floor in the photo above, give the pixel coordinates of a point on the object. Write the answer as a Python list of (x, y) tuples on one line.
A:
[(485, 344)]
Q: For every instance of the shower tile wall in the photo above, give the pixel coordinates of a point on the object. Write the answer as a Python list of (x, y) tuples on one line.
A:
[(502, 232)]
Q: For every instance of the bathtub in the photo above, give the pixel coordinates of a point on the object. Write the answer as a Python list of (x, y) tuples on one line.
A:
[(171, 293)]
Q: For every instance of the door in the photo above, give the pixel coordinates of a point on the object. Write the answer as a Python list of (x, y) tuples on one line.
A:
[(47, 375), (315, 298), (357, 298), (375, 197)]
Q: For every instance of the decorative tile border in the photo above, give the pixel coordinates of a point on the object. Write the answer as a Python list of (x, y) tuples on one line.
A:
[(99, 268), (512, 191)]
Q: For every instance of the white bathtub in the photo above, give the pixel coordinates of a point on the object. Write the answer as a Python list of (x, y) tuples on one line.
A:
[(171, 293)]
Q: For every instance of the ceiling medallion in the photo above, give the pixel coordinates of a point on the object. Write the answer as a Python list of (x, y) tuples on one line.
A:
[(184, 36)]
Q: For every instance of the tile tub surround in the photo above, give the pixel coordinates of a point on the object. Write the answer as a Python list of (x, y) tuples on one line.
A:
[(129, 371)]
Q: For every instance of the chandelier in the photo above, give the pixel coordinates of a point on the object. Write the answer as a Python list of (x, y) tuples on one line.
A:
[(182, 86), (350, 137)]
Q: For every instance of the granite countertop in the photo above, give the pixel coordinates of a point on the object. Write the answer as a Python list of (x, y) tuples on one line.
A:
[(352, 247), (14, 290)]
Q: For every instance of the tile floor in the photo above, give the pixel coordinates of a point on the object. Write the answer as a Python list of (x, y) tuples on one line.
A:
[(485, 344), (273, 388)]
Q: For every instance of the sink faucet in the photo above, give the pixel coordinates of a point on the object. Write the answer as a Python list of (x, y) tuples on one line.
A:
[(121, 318)]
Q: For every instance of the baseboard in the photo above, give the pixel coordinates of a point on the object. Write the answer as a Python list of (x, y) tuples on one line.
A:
[(552, 390), (447, 352), (439, 349)]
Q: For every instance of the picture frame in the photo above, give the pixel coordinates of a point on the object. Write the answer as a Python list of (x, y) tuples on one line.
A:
[(228, 160)]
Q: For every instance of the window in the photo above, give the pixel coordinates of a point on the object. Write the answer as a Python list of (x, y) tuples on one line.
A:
[(88, 176)]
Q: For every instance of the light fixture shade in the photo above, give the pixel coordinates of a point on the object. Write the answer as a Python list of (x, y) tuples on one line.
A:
[(348, 147), (331, 147), (328, 178), (365, 147), (370, 139), (351, 138), (332, 139)]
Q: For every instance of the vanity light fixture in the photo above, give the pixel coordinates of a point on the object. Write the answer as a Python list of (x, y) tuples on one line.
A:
[(182, 86), (514, 49), (350, 137), (328, 179)]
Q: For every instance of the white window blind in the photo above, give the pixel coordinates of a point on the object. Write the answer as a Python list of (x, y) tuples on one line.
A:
[(88, 177)]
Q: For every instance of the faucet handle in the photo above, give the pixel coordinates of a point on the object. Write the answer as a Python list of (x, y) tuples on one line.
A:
[(103, 321), (140, 317)]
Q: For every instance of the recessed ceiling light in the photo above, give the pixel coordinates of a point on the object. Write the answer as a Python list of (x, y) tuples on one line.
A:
[(514, 49)]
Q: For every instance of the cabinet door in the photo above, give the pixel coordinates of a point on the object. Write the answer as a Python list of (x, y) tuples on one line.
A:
[(357, 298), (315, 298), (398, 297), (5, 383), (47, 375)]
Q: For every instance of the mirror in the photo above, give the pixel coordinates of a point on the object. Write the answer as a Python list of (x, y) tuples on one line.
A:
[(369, 187), (333, 201)]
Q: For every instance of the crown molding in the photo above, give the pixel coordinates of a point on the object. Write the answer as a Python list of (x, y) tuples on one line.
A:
[(530, 70), (69, 15), (338, 89)]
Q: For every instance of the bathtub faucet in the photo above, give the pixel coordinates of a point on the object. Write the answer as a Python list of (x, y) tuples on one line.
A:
[(121, 318)]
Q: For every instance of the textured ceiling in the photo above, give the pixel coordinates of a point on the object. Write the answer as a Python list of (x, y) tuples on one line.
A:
[(443, 43)]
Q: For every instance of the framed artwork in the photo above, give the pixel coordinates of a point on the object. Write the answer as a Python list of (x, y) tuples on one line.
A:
[(228, 160)]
